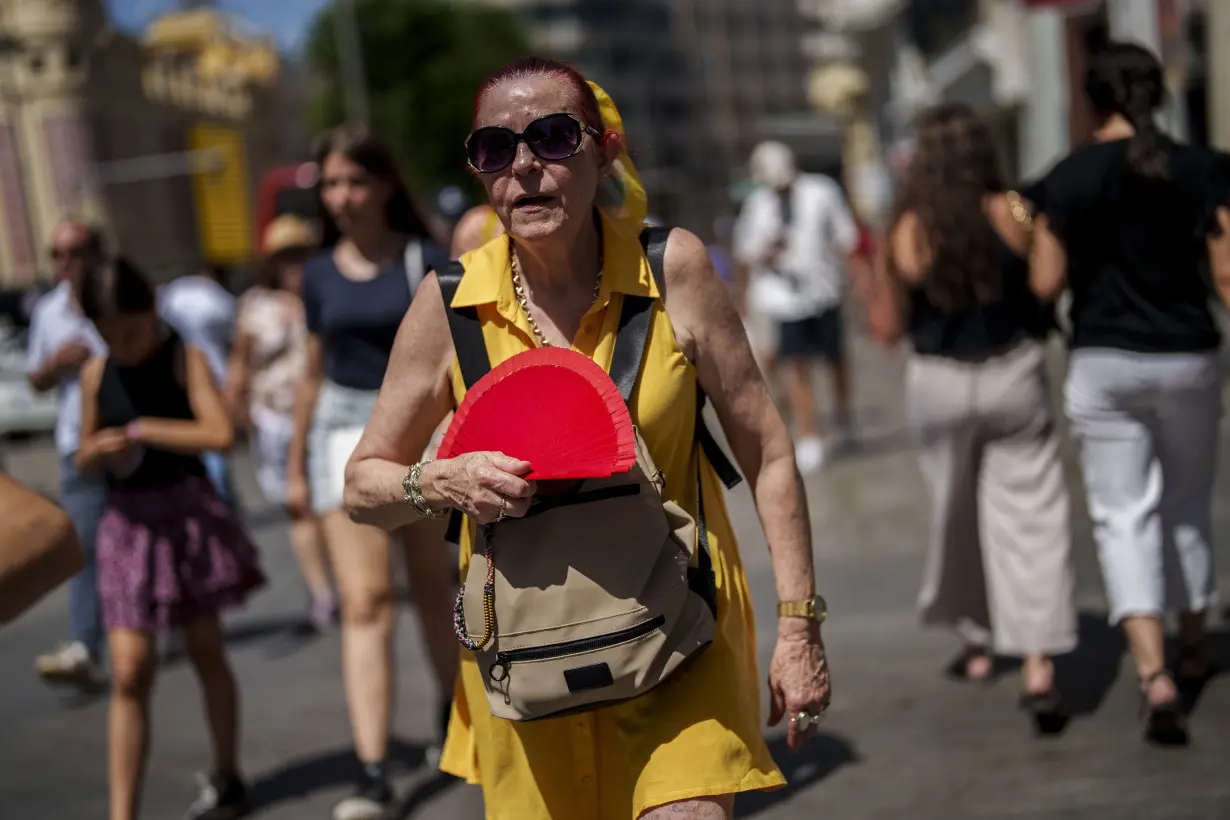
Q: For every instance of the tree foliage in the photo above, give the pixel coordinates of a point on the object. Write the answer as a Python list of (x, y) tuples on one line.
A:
[(423, 61)]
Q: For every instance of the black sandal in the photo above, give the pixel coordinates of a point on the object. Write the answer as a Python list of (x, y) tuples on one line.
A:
[(1163, 724), (958, 668), (1189, 657), (1046, 711)]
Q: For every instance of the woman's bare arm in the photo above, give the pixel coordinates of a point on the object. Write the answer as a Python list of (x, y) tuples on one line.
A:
[(38, 548), (239, 377), (89, 456), (211, 429), (409, 408), (1048, 261), (305, 406), (710, 332)]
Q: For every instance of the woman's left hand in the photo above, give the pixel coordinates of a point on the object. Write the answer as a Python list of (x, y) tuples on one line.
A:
[(799, 680)]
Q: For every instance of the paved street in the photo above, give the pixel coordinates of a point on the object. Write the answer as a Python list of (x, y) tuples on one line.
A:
[(901, 741)]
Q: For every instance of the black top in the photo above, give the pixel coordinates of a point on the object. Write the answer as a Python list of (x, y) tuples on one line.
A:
[(1136, 248), (358, 321), (982, 330), (151, 389)]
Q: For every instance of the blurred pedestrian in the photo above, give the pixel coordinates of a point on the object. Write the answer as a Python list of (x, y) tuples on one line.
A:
[(574, 208), (355, 294), (795, 234), (60, 341), (1124, 223), (171, 554), (956, 281), (476, 228), (268, 360), (201, 308)]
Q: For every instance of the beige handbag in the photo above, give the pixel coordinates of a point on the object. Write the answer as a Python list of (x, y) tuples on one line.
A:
[(38, 548), (602, 591), (587, 599)]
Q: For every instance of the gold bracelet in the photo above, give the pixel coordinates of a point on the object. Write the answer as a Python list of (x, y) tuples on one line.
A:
[(413, 494)]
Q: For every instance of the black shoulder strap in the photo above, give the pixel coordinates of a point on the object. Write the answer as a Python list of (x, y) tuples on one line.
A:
[(635, 319), (653, 240), (463, 324), (467, 333)]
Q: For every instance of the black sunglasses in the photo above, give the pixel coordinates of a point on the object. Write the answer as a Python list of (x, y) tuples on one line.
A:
[(552, 138)]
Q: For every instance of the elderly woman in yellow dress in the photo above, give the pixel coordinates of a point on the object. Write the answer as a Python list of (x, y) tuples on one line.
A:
[(549, 149)]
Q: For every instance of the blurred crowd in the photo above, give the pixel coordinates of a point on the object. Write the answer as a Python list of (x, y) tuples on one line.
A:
[(1129, 231)]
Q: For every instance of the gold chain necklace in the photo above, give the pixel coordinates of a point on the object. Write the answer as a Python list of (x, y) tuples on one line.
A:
[(524, 301)]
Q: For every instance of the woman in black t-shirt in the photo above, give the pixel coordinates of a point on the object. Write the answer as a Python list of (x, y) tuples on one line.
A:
[(1119, 222), (956, 282)]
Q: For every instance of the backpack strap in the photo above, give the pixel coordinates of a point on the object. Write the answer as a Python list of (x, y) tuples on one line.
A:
[(464, 326), (471, 349), (653, 240), (630, 344)]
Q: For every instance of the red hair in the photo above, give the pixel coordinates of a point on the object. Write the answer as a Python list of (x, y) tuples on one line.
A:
[(525, 68)]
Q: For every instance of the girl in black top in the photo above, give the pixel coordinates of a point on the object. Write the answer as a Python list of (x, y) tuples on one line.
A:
[(956, 282), (1121, 223), (171, 554)]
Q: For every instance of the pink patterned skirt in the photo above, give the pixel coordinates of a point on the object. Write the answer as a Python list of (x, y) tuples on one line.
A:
[(168, 555)]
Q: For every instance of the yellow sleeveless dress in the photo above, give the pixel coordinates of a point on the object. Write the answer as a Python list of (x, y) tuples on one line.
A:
[(698, 734)]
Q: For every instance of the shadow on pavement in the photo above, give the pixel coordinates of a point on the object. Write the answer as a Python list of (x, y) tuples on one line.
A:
[(1086, 676), (425, 792), (822, 756), (298, 779), (248, 631)]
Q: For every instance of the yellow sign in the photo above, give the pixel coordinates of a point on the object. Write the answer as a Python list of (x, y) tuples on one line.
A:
[(222, 193)]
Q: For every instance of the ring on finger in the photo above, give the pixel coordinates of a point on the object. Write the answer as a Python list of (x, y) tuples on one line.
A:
[(503, 509), (804, 719)]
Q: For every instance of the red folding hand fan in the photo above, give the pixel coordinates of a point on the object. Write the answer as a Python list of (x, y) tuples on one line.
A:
[(552, 407)]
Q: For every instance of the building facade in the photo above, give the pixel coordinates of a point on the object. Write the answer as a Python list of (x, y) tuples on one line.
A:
[(155, 138)]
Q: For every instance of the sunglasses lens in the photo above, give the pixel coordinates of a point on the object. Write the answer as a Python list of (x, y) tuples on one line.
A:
[(554, 138), (491, 149)]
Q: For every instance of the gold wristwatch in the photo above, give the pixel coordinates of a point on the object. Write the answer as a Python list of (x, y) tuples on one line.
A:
[(814, 609)]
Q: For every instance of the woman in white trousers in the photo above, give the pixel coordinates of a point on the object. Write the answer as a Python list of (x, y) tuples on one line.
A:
[(1120, 223)]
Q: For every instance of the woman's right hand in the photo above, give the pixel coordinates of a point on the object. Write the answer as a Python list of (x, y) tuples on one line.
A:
[(484, 486), (298, 497)]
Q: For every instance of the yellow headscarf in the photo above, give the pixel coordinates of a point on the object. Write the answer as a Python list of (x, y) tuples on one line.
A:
[(621, 196)]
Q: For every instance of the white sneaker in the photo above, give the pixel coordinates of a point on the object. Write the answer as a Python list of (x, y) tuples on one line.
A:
[(809, 454), (71, 664)]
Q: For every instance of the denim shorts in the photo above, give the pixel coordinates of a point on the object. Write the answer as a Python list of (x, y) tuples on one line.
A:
[(341, 414)]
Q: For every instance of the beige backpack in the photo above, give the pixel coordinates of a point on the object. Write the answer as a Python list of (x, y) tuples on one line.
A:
[(601, 591)]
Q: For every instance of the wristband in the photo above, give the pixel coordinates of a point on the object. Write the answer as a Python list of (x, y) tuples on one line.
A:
[(132, 430)]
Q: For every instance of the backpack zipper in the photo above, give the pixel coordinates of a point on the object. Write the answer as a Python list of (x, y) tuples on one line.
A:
[(575, 647)]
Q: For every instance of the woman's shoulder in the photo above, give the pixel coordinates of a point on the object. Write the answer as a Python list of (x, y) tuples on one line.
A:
[(686, 258), (1088, 160), (320, 262)]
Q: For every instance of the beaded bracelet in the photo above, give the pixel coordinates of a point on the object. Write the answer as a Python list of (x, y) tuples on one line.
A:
[(413, 495)]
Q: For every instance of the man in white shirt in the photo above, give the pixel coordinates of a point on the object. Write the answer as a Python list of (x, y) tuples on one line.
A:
[(202, 311), (795, 234), (61, 339)]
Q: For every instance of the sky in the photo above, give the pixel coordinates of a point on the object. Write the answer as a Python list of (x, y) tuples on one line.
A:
[(286, 20)]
